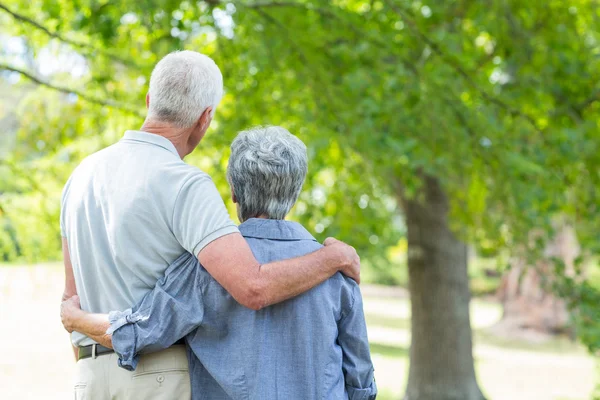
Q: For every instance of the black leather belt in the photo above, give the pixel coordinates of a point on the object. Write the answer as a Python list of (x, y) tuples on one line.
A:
[(95, 350)]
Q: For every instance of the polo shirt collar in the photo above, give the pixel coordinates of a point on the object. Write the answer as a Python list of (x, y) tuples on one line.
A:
[(274, 229), (150, 138)]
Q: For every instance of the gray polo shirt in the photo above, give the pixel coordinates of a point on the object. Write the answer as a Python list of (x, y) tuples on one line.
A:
[(129, 211)]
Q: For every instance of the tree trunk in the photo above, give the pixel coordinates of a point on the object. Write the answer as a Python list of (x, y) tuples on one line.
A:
[(441, 358), (530, 307)]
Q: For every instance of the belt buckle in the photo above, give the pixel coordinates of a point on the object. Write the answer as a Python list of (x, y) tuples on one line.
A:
[(94, 351)]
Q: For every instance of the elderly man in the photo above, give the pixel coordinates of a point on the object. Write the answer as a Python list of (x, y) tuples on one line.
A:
[(130, 210), (313, 346)]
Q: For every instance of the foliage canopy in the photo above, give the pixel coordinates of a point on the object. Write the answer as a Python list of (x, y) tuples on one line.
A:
[(498, 100)]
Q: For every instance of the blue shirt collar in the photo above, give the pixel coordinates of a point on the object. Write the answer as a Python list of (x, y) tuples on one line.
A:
[(150, 138), (274, 229)]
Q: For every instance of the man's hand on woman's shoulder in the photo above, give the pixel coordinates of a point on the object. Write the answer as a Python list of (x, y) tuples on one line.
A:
[(349, 258)]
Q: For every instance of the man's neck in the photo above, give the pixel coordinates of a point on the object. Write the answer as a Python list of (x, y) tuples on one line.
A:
[(179, 137)]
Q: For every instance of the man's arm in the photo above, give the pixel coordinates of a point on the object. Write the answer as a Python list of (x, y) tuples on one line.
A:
[(170, 311), (203, 227), (231, 262), (70, 289), (356, 355)]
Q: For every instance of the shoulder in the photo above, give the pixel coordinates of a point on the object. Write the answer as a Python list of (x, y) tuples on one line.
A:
[(189, 186), (347, 290), (180, 174), (99, 156), (344, 283), (83, 169), (89, 163), (175, 180)]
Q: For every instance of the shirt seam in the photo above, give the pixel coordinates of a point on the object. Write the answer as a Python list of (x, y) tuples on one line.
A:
[(211, 237), (255, 236), (63, 207), (177, 198), (144, 143), (171, 149), (350, 308)]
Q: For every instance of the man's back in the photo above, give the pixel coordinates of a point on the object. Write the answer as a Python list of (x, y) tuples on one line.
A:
[(125, 219), (297, 349)]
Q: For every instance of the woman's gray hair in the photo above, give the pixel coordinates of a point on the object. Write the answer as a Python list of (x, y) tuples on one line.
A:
[(266, 171)]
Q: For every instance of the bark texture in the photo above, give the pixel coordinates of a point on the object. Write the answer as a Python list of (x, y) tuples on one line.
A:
[(441, 358), (529, 305)]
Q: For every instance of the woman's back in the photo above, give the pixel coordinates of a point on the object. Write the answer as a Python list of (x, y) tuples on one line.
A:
[(310, 347)]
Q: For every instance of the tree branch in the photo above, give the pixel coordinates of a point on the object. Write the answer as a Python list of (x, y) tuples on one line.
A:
[(575, 111), (66, 90), (459, 69), (91, 51), (301, 55), (280, 4), (594, 97), (27, 175), (285, 31), (375, 40)]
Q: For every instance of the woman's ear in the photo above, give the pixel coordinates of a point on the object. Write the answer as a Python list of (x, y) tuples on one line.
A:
[(233, 198)]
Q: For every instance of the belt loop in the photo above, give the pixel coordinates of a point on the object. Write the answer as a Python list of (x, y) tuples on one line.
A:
[(94, 351)]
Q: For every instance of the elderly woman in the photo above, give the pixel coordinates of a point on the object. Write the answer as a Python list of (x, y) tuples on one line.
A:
[(313, 346)]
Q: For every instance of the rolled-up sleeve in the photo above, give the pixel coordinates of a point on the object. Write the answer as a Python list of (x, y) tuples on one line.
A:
[(369, 393), (356, 363), (174, 308)]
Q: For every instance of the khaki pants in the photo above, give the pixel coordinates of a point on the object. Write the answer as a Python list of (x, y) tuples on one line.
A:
[(159, 376)]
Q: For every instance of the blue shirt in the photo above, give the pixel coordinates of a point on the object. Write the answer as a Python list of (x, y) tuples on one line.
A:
[(313, 346)]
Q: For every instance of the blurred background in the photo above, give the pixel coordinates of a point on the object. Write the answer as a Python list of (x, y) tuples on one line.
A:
[(455, 144)]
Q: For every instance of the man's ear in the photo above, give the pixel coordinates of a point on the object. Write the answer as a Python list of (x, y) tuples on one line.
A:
[(205, 119), (148, 100)]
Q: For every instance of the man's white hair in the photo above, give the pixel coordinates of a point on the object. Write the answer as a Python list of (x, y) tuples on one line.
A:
[(182, 86)]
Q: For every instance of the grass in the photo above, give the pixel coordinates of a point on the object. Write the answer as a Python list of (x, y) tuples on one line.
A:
[(556, 345), (386, 395), (506, 368), (389, 350), (387, 322), (21, 264), (557, 369)]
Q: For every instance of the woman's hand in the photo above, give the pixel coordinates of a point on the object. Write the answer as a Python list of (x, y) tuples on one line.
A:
[(70, 309)]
